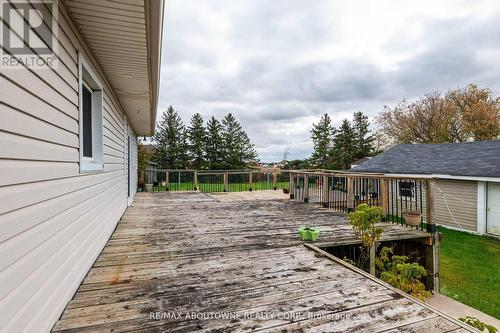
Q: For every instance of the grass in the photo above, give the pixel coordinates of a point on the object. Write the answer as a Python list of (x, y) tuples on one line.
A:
[(470, 270)]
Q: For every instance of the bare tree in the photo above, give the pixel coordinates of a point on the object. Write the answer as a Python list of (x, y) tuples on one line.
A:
[(460, 115)]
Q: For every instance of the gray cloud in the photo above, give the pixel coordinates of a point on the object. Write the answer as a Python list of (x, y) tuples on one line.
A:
[(279, 65)]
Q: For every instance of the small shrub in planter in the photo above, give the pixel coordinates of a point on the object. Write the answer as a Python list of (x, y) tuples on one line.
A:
[(308, 234), (363, 221), (412, 217)]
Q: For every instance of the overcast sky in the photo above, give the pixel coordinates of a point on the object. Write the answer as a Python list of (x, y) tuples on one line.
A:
[(279, 65)]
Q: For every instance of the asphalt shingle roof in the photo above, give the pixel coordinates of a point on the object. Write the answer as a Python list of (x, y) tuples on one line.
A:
[(476, 159)]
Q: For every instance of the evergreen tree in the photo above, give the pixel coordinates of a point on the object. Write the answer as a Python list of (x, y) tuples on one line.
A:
[(170, 141), (238, 150), (344, 146), (213, 146), (322, 136), (197, 138), (363, 138)]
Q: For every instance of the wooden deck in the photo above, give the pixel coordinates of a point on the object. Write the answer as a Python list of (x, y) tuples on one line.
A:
[(180, 262)]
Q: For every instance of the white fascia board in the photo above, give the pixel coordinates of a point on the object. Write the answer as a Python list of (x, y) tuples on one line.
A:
[(439, 176)]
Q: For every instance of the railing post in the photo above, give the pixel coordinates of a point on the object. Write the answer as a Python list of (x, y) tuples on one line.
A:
[(384, 197), (350, 194), (167, 181), (326, 192), (250, 181), (306, 187), (429, 205), (275, 181), (291, 185), (225, 181), (195, 174), (435, 261)]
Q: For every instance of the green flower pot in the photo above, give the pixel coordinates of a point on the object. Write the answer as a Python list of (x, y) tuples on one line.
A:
[(308, 234)]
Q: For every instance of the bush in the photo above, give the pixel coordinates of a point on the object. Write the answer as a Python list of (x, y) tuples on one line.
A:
[(405, 276), (363, 222), (476, 323)]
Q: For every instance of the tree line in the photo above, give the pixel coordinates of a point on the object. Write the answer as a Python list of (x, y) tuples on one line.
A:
[(218, 145), (458, 115), (337, 148)]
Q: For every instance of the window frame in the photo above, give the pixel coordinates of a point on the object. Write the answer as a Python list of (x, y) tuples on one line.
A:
[(404, 191), (87, 78)]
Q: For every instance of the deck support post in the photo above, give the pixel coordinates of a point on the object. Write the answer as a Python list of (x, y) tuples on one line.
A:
[(429, 204), (372, 259), (435, 261), (195, 175), (326, 192), (350, 194), (306, 187), (226, 176), (275, 181), (291, 185), (167, 181), (250, 181)]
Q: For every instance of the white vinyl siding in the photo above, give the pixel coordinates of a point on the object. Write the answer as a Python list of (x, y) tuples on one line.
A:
[(461, 200), (133, 164), (54, 221)]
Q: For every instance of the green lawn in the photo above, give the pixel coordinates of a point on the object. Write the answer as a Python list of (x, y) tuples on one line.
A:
[(470, 270)]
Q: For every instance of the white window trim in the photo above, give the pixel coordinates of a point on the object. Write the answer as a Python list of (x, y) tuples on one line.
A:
[(94, 163)]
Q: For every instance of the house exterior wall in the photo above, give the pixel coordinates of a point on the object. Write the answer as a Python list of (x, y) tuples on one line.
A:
[(133, 164), (460, 196), (54, 220)]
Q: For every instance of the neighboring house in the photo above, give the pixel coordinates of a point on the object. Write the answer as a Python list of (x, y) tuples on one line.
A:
[(467, 186), (68, 153)]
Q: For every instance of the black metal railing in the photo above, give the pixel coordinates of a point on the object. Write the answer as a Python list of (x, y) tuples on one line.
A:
[(210, 181), (344, 191)]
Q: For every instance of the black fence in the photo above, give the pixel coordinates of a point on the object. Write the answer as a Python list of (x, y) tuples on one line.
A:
[(400, 199), (213, 181)]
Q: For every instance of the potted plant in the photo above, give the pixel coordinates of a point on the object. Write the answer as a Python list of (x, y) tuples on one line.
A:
[(140, 185), (309, 234), (412, 217), (363, 221), (149, 187), (285, 190)]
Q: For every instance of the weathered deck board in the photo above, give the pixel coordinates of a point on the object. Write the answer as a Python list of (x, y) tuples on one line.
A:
[(187, 252)]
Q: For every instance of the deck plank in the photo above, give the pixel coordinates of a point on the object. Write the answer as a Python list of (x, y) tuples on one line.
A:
[(191, 253)]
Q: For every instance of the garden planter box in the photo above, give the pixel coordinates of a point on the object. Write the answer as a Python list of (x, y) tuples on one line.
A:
[(308, 234)]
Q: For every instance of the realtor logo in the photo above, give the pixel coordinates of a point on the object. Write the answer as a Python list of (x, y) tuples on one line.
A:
[(29, 33)]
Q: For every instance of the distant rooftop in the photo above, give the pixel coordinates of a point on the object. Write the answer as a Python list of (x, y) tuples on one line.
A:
[(474, 159)]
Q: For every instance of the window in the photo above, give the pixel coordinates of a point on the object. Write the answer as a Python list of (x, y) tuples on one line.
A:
[(87, 121), (406, 189), (91, 150)]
